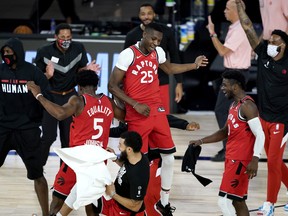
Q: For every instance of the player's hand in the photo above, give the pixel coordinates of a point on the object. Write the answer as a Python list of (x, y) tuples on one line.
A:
[(252, 168), (93, 66), (110, 150), (210, 26), (35, 89), (142, 109), (201, 61), (195, 142), (192, 126), (110, 189), (178, 92), (49, 70)]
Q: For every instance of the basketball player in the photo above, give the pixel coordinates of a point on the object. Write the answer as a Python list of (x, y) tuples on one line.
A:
[(244, 146), (92, 118), (137, 69)]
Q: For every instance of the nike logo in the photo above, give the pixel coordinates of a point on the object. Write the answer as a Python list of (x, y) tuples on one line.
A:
[(137, 57), (276, 132), (122, 213)]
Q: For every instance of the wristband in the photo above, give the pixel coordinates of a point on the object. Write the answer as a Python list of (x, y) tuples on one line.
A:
[(38, 95), (135, 105), (112, 194), (197, 66), (201, 141), (213, 35)]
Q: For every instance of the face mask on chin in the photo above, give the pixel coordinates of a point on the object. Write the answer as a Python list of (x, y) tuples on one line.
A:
[(273, 50), (9, 59), (65, 44)]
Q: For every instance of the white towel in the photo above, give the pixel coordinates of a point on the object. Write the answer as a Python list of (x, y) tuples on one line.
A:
[(92, 174)]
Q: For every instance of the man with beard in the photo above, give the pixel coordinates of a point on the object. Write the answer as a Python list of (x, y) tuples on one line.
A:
[(272, 87), (236, 52), (244, 146), (60, 60), (128, 191)]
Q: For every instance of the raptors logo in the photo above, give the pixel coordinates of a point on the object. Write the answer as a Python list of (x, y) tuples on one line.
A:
[(60, 181), (234, 183)]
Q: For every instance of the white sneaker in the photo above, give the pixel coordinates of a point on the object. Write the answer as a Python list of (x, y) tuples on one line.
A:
[(267, 209), (286, 207)]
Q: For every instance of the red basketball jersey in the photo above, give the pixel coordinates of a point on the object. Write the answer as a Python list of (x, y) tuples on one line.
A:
[(240, 138), (92, 126), (141, 83)]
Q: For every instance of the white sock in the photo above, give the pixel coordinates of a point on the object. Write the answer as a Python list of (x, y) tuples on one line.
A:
[(58, 214), (164, 197)]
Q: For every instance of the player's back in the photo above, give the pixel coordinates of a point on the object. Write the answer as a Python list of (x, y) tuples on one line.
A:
[(92, 126)]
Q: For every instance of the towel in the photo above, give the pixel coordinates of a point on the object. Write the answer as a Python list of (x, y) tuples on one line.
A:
[(92, 175), (189, 162)]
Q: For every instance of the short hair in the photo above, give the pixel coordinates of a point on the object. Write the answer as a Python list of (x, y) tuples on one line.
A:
[(87, 78), (146, 5), (282, 34), (153, 26), (133, 140), (235, 77), (62, 26)]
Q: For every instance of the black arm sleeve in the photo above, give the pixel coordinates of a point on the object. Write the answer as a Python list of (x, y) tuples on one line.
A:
[(175, 122)]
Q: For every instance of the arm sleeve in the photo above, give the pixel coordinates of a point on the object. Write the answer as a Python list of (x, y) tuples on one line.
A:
[(256, 128), (178, 123)]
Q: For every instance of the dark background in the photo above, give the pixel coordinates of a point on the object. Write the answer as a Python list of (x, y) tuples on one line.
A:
[(114, 18)]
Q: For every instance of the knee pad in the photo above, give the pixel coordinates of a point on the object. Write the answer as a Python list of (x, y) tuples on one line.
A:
[(226, 206)]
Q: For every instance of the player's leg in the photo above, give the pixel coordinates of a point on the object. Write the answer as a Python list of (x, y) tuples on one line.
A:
[(162, 140), (64, 181)]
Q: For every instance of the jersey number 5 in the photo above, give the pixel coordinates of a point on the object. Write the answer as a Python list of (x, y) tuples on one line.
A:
[(97, 127)]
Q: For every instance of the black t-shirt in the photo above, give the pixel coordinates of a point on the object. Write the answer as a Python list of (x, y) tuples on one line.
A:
[(272, 86), (66, 64), (132, 181)]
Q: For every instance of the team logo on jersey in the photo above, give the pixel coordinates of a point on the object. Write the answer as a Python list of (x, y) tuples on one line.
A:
[(161, 109), (60, 181), (139, 192), (234, 183)]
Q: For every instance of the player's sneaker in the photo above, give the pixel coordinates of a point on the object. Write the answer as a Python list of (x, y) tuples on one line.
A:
[(267, 209), (164, 211), (286, 207)]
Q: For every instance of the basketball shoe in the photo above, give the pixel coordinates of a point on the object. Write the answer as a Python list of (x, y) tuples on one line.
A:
[(267, 209), (164, 211)]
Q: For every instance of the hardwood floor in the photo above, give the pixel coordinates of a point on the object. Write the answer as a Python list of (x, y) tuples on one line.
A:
[(17, 196)]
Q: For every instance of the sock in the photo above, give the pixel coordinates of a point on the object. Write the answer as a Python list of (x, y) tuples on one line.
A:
[(164, 197), (58, 214)]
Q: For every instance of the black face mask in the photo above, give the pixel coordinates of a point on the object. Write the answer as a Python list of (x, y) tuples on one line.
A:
[(9, 59)]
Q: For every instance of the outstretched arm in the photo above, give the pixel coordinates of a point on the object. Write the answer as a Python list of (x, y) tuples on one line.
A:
[(219, 135), (247, 25), (172, 68), (73, 106)]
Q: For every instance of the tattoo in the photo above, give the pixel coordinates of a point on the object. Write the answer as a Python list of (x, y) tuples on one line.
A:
[(247, 25)]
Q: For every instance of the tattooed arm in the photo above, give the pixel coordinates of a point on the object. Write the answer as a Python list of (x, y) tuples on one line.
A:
[(247, 25)]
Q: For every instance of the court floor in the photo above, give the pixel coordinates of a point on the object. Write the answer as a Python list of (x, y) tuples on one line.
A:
[(17, 196)]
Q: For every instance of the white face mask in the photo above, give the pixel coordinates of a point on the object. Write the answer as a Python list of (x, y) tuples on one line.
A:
[(272, 50)]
